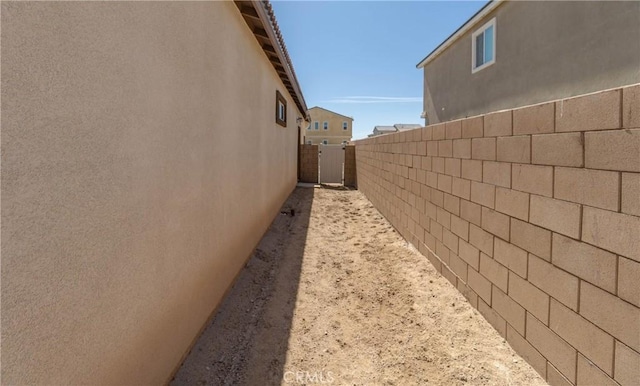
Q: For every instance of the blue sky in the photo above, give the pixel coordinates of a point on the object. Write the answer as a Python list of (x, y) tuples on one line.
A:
[(358, 58)]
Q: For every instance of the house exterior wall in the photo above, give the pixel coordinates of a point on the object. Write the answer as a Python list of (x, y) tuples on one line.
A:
[(534, 215), (544, 51), (131, 196), (335, 135)]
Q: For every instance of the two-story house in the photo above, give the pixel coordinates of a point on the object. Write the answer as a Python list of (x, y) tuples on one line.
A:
[(327, 127)]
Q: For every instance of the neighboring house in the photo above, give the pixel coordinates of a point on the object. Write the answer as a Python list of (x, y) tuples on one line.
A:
[(146, 148), (327, 127), (379, 130), (518, 53)]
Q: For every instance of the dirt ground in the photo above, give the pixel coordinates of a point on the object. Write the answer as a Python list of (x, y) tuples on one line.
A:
[(333, 295)]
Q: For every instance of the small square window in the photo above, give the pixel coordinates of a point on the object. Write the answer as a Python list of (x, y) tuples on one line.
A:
[(345, 125), (309, 142), (325, 142), (325, 125), (281, 109), (316, 125), (483, 41)]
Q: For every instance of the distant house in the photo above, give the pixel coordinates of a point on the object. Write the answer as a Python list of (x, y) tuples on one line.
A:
[(518, 53), (379, 130), (327, 127)]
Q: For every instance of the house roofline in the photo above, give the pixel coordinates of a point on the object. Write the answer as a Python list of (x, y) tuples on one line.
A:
[(464, 28), (333, 112), (261, 20)]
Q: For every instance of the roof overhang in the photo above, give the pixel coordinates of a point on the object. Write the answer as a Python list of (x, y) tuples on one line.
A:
[(484, 11), (259, 16)]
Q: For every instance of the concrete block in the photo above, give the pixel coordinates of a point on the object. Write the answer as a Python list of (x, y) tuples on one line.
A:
[(555, 377), (535, 119), (556, 215), (472, 127), (450, 240), (462, 148), (497, 173), (591, 341), (452, 167), (460, 227), (531, 238), (554, 348), (471, 212), (495, 272), (599, 111), (496, 223), (472, 170), (483, 149), (530, 297), (514, 149), (566, 149), (587, 262), (458, 266), (461, 188), (615, 232), (468, 293), (437, 164), (613, 150), (445, 148), (494, 319), (597, 188), (513, 203), (479, 284), (554, 281), (498, 124), (631, 107), (511, 257), (444, 183), (631, 193), (527, 351), (470, 254), (438, 131), (627, 369), (628, 278), (532, 179), (443, 217), (432, 148), (481, 239), (611, 314), (590, 374), (453, 129), (483, 194), (511, 311)]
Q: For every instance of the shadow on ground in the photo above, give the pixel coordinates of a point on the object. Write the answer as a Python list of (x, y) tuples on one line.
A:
[(246, 342)]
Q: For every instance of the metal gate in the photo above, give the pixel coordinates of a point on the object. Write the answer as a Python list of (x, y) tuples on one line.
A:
[(331, 163)]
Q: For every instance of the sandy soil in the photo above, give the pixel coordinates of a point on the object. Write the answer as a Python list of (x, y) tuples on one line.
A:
[(335, 295)]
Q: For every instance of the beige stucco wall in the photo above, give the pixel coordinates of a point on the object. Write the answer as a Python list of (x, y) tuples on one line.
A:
[(335, 134), (141, 164)]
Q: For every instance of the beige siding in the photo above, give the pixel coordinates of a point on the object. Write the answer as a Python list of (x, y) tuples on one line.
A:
[(335, 134)]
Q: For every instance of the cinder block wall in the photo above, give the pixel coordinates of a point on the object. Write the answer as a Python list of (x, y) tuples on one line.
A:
[(533, 214), (350, 166), (309, 163)]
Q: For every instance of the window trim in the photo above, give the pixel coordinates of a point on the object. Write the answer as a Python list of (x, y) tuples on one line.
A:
[(325, 142), (490, 23), (345, 125), (316, 125), (280, 100), (325, 125)]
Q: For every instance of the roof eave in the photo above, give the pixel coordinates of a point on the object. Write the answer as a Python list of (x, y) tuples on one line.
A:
[(484, 11)]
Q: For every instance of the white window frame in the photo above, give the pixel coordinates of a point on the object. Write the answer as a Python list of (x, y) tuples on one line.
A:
[(345, 125), (325, 125), (316, 125), (490, 23)]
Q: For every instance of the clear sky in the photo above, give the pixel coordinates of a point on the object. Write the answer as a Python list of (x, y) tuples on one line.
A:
[(358, 58)]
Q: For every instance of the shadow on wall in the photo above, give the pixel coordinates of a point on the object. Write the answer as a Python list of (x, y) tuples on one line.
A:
[(247, 340)]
